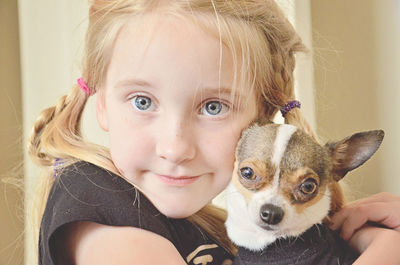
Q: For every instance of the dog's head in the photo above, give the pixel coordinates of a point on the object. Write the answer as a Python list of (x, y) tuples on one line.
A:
[(281, 181)]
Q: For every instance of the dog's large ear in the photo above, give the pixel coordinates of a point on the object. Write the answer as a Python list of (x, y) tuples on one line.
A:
[(353, 151)]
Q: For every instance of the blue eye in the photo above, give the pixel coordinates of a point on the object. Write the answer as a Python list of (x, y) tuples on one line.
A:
[(213, 108), (142, 103)]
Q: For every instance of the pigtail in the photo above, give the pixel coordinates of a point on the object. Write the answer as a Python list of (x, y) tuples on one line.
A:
[(34, 143), (57, 134), (40, 134), (284, 81), (278, 86)]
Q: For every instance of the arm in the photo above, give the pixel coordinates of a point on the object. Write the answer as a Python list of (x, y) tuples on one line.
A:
[(378, 245), (91, 243)]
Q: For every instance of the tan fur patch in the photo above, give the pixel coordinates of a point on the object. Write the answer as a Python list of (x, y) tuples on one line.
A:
[(290, 183), (337, 197), (300, 207), (263, 171), (297, 176)]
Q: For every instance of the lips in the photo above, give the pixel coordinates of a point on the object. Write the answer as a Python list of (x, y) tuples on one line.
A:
[(177, 181)]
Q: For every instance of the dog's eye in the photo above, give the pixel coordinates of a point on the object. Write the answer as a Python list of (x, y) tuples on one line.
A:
[(309, 186), (247, 173)]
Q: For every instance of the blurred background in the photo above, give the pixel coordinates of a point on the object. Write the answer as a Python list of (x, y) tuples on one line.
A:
[(348, 82)]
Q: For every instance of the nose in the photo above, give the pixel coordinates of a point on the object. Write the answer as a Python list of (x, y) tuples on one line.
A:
[(271, 214), (175, 144)]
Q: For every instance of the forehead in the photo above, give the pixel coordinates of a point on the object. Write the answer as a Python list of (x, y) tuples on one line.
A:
[(302, 151), (257, 142), (297, 151), (169, 49)]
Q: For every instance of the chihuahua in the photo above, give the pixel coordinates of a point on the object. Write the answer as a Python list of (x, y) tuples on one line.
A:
[(284, 189)]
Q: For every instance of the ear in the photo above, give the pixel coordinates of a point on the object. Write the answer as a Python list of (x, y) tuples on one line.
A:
[(353, 151), (101, 112)]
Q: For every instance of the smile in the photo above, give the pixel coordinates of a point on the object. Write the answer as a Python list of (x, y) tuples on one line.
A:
[(177, 181)]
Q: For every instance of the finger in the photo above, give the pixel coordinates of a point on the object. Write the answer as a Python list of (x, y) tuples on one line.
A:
[(378, 212), (378, 197), (350, 225), (338, 218)]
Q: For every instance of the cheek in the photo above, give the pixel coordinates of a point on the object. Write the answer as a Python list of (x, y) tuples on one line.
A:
[(129, 146), (219, 149)]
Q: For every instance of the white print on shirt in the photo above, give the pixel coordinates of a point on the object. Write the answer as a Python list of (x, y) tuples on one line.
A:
[(204, 259)]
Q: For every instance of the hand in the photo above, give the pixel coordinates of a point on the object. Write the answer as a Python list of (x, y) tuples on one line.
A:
[(382, 208)]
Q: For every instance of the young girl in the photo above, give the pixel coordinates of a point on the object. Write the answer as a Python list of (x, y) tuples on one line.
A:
[(176, 83)]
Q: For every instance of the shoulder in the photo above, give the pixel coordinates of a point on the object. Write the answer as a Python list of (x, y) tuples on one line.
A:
[(93, 243), (89, 177), (86, 192), (85, 185)]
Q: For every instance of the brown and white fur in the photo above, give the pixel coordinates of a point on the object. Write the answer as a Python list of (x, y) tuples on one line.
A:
[(284, 182)]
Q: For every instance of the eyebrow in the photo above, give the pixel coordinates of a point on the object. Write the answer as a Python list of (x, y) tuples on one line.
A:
[(220, 90), (126, 83), (132, 82)]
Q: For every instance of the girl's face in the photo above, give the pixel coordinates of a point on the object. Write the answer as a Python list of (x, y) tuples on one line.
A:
[(172, 121)]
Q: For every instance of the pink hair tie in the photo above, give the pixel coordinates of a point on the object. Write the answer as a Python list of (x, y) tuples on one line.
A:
[(83, 86)]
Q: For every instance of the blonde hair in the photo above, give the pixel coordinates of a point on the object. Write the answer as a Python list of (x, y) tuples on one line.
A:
[(262, 43)]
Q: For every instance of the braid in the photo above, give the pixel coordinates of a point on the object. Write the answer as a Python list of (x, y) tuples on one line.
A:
[(284, 81), (57, 134), (278, 87), (42, 122), (284, 78)]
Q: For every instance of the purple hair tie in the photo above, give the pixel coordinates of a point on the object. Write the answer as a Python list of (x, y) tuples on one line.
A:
[(83, 86), (289, 106), (57, 162)]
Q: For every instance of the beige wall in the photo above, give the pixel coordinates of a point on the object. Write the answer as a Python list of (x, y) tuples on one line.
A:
[(357, 74), (11, 200), (51, 39)]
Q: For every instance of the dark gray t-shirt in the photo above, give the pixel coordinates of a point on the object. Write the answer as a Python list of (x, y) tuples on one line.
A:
[(85, 192), (317, 246)]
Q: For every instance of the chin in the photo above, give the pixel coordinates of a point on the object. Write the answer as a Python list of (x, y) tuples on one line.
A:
[(176, 208), (177, 213)]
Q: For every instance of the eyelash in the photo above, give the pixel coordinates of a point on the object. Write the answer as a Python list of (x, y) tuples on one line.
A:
[(136, 95), (224, 104)]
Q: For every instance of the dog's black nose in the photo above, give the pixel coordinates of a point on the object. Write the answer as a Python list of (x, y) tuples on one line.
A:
[(271, 214)]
